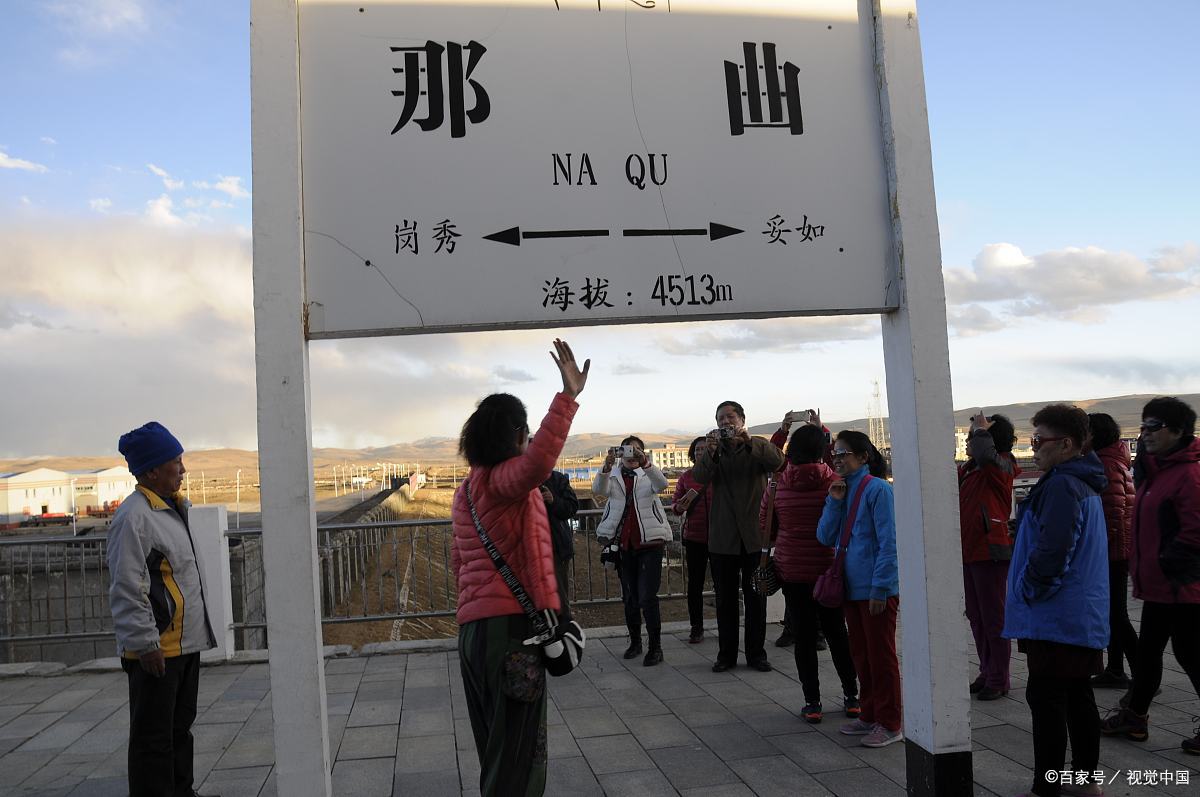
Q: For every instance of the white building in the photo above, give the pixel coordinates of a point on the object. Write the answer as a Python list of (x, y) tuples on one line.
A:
[(97, 490), (670, 457), (961, 433), (41, 491)]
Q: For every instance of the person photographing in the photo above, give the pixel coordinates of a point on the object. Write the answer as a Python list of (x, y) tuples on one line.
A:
[(735, 466), (634, 520)]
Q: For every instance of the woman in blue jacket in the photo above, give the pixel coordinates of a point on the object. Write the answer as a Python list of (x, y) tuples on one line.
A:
[(1057, 605), (862, 499)]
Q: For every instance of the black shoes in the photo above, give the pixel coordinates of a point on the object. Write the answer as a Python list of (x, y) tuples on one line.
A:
[(720, 666), (634, 650), (653, 656), (977, 685), (762, 665), (821, 643), (988, 693), (697, 636), (1110, 680), (785, 639)]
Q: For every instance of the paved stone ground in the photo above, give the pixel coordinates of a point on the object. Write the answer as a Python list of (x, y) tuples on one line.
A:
[(616, 728)]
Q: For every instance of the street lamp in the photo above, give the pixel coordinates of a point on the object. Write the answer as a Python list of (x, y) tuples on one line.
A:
[(74, 529), (238, 499)]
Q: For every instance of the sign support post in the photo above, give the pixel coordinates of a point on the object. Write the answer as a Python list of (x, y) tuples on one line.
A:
[(302, 763), (937, 726)]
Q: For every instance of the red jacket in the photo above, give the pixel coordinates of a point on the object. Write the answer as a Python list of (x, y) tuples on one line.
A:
[(799, 500), (1167, 507), (1118, 499), (697, 515), (985, 489), (514, 515)]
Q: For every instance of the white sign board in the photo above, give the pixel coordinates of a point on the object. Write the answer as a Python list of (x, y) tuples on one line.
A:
[(474, 165)]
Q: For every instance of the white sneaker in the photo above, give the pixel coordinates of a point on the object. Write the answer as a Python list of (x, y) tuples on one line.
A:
[(882, 737), (857, 728)]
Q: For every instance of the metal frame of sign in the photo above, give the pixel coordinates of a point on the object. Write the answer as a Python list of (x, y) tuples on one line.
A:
[(934, 654)]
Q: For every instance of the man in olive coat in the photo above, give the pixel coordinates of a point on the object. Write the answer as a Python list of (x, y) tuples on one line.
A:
[(735, 466)]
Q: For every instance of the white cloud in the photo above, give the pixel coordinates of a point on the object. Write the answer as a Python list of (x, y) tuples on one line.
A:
[(631, 369), (507, 373), (9, 162), (1075, 282), (225, 184), (100, 204), (10, 318), (161, 212), (48, 140), (100, 17), (26, 201), (161, 322), (170, 183), (736, 338)]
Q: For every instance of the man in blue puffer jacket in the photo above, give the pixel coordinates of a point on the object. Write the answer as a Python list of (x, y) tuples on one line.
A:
[(1057, 605)]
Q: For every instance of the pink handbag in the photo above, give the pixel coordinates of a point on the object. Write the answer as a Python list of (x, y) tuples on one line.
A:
[(830, 589)]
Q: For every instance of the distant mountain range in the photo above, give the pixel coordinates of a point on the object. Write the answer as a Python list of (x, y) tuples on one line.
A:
[(224, 463)]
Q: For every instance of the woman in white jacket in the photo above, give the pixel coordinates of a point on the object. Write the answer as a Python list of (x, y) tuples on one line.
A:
[(638, 529)]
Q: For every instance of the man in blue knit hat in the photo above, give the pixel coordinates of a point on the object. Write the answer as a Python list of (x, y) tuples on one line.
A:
[(156, 594)]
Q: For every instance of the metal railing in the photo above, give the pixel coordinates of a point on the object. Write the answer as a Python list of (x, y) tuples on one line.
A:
[(55, 589), (397, 570)]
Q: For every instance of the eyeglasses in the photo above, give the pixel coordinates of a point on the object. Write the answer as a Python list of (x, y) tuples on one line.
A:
[(1152, 426), (840, 454), (1037, 440)]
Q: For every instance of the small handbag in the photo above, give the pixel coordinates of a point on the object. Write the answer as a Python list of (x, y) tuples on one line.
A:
[(830, 589), (560, 637), (766, 580)]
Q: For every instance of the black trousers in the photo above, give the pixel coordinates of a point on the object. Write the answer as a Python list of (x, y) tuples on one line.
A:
[(1122, 646), (641, 575), (1178, 623), (1062, 706), (161, 712), (696, 554), (731, 571), (806, 618)]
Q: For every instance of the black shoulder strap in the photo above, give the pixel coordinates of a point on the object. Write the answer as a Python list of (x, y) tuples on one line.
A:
[(540, 623)]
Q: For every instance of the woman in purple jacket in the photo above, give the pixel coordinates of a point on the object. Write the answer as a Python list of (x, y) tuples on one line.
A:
[(692, 498)]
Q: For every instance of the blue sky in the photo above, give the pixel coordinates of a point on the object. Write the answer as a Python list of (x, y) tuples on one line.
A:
[(1066, 173)]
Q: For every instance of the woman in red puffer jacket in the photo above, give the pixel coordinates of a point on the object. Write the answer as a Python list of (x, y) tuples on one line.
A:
[(800, 492), (503, 678), (1118, 516)]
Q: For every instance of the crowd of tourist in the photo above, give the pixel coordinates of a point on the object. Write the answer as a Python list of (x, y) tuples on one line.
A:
[(812, 513)]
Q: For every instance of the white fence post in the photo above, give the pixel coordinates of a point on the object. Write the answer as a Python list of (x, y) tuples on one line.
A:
[(208, 526)]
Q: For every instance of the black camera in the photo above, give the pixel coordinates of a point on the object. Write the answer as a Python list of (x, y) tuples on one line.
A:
[(610, 556)]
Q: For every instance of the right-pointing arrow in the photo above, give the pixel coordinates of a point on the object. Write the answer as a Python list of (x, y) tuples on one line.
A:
[(719, 231)]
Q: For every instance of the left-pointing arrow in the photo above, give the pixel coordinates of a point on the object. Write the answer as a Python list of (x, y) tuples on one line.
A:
[(513, 235)]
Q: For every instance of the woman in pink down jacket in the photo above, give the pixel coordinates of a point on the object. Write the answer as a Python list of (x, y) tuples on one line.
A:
[(504, 679)]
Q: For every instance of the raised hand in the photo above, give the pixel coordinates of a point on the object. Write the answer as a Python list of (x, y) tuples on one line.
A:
[(814, 417), (838, 490), (573, 379)]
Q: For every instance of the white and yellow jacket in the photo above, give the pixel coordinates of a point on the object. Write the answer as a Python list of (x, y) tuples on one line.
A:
[(156, 588)]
